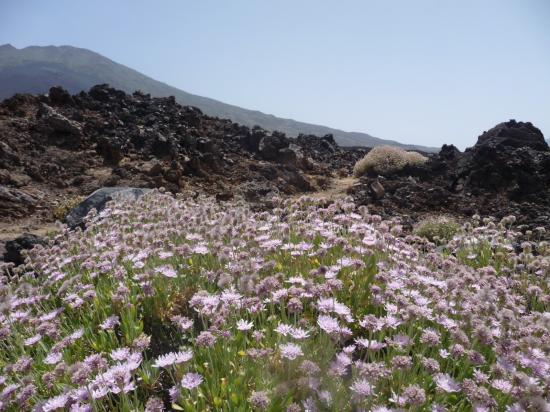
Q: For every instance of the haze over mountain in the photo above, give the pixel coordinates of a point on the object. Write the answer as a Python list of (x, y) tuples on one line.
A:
[(35, 69)]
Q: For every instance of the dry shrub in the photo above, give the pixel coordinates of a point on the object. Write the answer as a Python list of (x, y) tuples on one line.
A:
[(387, 159), (66, 205), (416, 159)]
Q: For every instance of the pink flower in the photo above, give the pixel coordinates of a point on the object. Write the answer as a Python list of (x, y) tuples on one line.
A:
[(57, 402), (52, 358), (77, 334), (446, 383), (328, 324), (370, 344), (329, 305), (290, 351), (165, 255), (32, 340), (193, 236), (183, 323), (200, 249), (51, 315), (502, 385), (191, 380), (283, 329), (109, 323), (120, 354), (166, 270), (362, 388)]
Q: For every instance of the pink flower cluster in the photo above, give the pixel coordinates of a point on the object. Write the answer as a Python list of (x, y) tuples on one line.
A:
[(307, 306)]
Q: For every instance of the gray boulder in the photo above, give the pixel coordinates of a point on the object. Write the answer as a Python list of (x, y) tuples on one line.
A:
[(98, 199)]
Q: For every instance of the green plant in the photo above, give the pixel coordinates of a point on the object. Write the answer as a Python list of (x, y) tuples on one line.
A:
[(437, 229)]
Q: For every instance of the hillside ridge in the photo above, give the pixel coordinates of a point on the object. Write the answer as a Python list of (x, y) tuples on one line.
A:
[(34, 69)]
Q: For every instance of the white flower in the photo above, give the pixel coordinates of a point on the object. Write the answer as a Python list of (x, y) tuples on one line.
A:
[(183, 356), (165, 360), (172, 358), (244, 325), (299, 334)]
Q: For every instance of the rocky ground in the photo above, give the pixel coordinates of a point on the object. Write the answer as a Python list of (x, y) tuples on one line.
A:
[(56, 149), (507, 172)]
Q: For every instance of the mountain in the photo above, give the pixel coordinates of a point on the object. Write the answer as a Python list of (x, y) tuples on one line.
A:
[(35, 69)]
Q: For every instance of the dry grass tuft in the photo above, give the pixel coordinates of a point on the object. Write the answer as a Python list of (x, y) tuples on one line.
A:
[(386, 160)]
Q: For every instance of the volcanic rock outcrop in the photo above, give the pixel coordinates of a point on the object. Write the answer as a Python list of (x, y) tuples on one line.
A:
[(57, 146), (506, 172)]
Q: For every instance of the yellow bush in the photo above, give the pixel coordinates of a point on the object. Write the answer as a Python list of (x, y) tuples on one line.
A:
[(386, 160)]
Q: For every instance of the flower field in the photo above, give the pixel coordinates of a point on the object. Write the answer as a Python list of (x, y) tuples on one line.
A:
[(176, 304)]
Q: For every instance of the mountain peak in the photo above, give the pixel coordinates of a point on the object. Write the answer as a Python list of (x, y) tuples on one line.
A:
[(7, 46)]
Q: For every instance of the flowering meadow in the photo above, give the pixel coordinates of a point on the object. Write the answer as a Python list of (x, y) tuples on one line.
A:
[(170, 303)]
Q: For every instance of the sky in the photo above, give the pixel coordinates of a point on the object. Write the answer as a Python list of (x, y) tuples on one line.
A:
[(422, 72)]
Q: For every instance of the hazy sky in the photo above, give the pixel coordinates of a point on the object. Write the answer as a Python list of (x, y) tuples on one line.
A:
[(426, 72)]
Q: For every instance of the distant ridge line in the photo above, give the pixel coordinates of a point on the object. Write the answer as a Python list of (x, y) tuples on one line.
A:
[(34, 69)]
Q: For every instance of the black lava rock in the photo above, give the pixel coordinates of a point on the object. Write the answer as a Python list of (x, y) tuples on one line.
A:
[(15, 247)]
